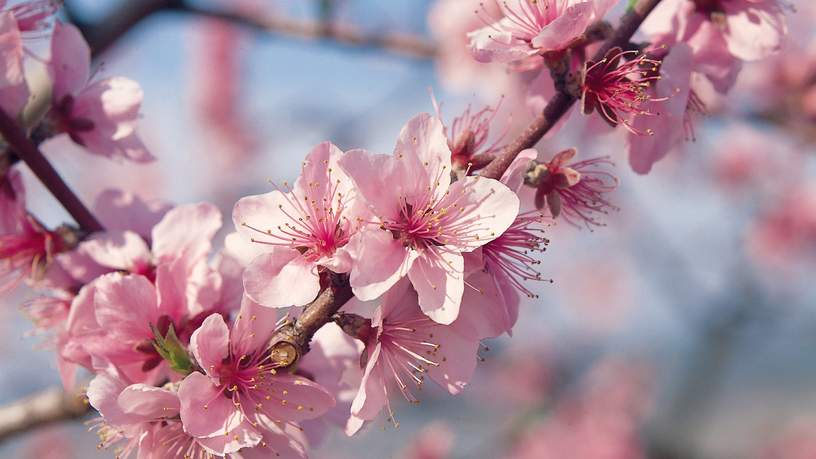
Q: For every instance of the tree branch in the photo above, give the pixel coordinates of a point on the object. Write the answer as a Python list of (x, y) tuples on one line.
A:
[(31, 155), (47, 407), (563, 101), (291, 341)]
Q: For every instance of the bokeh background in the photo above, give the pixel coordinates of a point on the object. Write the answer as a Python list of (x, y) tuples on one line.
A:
[(685, 328)]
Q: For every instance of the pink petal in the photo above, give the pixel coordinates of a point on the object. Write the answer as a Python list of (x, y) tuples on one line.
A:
[(252, 327), (255, 216), (513, 177), (294, 398), (287, 443), (186, 232), (210, 343), (380, 262), (565, 28), (13, 88), (126, 306), (456, 357), (438, 278), (103, 392), (378, 180), (487, 209), (205, 411), (119, 250), (371, 396), (755, 29), (241, 436), (70, 60), (423, 156), (281, 278), (494, 43), (120, 210), (148, 402), (485, 314)]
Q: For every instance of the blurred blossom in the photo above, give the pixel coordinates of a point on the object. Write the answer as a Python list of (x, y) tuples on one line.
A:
[(434, 441)]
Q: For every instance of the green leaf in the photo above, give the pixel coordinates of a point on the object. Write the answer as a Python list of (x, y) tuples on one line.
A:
[(631, 5), (171, 349)]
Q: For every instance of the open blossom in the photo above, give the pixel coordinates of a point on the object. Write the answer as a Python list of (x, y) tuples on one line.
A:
[(468, 136), (403, 347), (530, 28), (241, 394), (423, 222), (745, 29), (574, 190), (303, 231), (116, 316), (101, 116), (619, 89)]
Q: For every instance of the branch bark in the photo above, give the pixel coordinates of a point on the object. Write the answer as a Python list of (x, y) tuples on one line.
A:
[(562, 102), (47, 407), (33, 157)]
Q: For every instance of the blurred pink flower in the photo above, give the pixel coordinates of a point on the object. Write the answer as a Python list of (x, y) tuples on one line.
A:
[(32, 15), (101, 116), (240, 393), (425, 222), (403, 347), (531, 28), (786, 230), (302, 231), (13, 87), (434, 441), (746, 29)]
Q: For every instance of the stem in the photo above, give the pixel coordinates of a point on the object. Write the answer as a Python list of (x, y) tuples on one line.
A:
[(292, 340), (562, 102), (31, 155), (47, 407)]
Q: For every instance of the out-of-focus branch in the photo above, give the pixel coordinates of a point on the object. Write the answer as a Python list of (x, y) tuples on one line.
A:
[(563, 101), (102, 34), (51, 405), (405, 44)]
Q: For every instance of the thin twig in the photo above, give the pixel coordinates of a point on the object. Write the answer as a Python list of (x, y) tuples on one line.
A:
[(47, 407), (33, 157), (562, 102)]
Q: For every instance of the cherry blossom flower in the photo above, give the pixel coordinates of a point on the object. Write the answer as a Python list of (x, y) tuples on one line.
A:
[(402, 348), (241, 393), (574, 190), (434, 441), (468, 136), (100, 116), (303, 231), (745, 29), (13, 87), (618, 89), (424, 223), (531, 28)]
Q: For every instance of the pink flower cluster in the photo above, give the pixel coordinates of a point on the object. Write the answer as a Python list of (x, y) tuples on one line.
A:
[(435, 254)]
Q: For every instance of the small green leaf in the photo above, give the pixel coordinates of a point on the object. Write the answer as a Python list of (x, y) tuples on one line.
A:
[(171, 349)]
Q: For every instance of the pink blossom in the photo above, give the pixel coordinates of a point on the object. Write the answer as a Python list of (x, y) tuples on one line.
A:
[(241, 394), (425, 223), (786, 230), (171, 284), (434, 441), (531, 28), (668, 122), (619, 90), (101, 116), (13, 87), (32, 15), (575, 190), (303, 231), (468, 136), (745, 29), (27, 248), (402, 348)]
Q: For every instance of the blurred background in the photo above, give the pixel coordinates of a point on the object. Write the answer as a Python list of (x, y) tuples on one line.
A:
[(685, 328)]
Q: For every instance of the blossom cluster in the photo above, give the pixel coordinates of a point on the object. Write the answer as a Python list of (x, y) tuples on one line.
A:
[(182, 340)]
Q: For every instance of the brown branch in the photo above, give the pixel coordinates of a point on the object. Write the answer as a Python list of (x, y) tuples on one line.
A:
[(291, 341), (33, 157), (404, 44), (47, 407), (563, 101)]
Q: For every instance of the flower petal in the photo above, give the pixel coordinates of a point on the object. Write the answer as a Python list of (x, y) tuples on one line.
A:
[(281, 278)]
